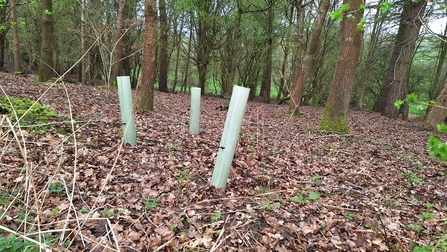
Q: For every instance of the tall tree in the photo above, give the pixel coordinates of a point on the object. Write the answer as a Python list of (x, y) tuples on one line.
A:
[(117, 65), (163, 46), (334, 117), (206, 31), (266, 84), (15, 37), (395, 85), (46, 47), (297, 94), (149, 55)]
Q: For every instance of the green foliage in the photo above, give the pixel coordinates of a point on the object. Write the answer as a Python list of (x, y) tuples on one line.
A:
[(14, 244), (427, 216), (47, 12), (350, 216), (441, 128), (385, 6), (108, 213), (361, 24), (216, 217), (306, 197), (269, 206), (151, 203), (57, 188), (398, 104), (438, 149)]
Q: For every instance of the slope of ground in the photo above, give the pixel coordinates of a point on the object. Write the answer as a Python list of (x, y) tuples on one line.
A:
[(291, 186)]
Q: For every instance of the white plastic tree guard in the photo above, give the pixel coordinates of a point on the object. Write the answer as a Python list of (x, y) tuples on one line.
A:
[(194, 114), (127, 116), (230, 135)]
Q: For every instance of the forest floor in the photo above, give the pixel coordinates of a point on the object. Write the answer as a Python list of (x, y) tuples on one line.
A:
[(291, 186)]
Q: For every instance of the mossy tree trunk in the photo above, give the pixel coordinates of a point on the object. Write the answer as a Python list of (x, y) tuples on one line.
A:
[(335, 114), (149, 53)]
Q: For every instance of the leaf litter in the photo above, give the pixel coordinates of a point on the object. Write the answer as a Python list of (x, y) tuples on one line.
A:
[(291, 186)]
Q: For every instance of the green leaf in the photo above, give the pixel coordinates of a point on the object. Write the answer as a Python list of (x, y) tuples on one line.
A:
[(350, 16), (398, 103), (441, 127), (336, 15), (385, 6), (427, 216), (345, 7), (314, 196), (411, 97), (297, 199), (423, 249), (47, 12), (362, 7), (361, 24), (442, 6), (432, 102)]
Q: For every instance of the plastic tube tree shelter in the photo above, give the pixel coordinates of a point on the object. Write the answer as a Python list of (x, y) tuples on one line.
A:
[(127, 116), (194, 113), (230, 135)]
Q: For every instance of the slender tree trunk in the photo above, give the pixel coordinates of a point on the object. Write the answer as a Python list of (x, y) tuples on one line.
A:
[(163, 45), (229, 53), (369, 60), (46, 70), (266, 84), (395, 85), (437, 113), (312, 45), (117, 66), (149, 55), (177, 53), (2, 37), (335, 114), (15, 37), (299, 45), (84, 60)]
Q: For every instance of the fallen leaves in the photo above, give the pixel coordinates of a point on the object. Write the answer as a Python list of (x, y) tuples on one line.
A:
[(291, 187)]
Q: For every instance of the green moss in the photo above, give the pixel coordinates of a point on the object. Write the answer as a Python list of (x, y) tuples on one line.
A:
[(336, 123)]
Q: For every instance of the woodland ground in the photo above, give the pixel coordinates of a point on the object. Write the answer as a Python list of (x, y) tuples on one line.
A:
[(291, 186)]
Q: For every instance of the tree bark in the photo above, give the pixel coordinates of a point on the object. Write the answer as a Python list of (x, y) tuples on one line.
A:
[(395, 85), (46, 70), (15, 37), (163, 45), (312, 45), (438, 113), (3, 32), (334, 117), (149, 55), (266, 84), (117, 67)]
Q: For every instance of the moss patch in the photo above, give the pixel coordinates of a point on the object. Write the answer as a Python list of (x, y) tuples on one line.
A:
[(332, 123)]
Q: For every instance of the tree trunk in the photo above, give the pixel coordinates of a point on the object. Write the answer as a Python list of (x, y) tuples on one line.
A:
[(371, 57), (297, 94), (437, 113), (15, 37), (266, 84), (46, 70), (163, 45), (2, 37), (117, 66), (83, 66), (334, 117), (395, 85), (149, 55)]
